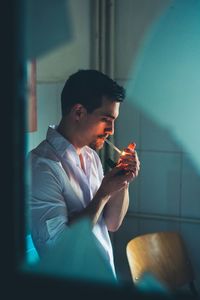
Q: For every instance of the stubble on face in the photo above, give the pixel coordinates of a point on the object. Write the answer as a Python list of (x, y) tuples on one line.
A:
[(97, 144)]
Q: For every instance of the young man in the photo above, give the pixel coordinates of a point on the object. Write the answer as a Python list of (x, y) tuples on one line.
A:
[(67, 176)]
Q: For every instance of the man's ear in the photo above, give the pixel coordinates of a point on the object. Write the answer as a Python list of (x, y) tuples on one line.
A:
[(79, 111)]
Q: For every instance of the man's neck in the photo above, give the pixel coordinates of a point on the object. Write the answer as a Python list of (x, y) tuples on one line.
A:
[(70, 135)]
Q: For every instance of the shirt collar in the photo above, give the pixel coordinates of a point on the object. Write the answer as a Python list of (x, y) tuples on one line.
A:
[(62, 145)]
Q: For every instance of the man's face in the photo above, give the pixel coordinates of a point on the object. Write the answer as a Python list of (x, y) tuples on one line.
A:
[(100, 123)]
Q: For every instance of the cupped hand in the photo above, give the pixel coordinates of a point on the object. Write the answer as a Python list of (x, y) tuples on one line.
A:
[(115, 180), (129, 161)]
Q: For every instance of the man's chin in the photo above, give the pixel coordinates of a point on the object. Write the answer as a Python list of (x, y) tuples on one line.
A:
[(97, 145)]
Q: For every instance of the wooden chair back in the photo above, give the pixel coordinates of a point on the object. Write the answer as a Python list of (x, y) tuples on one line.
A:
[(162, 254)]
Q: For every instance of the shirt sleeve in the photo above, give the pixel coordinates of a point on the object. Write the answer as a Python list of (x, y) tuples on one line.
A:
[(48, 210)]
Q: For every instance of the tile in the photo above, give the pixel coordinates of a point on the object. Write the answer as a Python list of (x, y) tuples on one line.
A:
[(155, 137), (156, 225), (134, 195), (190, 189), (159, 183)]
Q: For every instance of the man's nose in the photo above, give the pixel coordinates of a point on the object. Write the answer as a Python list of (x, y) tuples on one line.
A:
[(111, 129)]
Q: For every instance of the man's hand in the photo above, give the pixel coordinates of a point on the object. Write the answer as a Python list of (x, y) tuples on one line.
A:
[(115, 180), (129, 162), (125, 171)]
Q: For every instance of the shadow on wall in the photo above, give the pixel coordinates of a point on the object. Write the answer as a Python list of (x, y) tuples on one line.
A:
[(38, 41), (161, 114), (166, 166), (134, 18), (168, 184), (165, 81)]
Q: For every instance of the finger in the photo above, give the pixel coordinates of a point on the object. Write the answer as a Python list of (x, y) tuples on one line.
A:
[(128, 161), (134, 171), (130, 176), (130, 164)]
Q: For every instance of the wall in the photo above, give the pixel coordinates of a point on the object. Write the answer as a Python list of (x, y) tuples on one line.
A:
[(54, 67), (157, 60), (48, 111)]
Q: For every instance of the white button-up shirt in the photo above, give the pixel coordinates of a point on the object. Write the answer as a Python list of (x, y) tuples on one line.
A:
[(60, 188)]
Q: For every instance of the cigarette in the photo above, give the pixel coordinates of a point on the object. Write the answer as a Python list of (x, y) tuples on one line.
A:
[(113, 146)]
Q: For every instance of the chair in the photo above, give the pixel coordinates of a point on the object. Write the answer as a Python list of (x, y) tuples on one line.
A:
[(164, 255)]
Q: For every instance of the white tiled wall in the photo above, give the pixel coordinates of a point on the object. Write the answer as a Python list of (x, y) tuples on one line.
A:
[(169, 182)]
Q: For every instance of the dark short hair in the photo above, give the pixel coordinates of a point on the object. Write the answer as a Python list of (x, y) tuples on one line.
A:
[(87, 87)]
